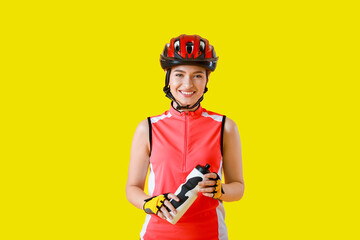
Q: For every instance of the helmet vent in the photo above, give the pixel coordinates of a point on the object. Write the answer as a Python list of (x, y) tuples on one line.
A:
[(189, 47), (202, 46), (177, 45)]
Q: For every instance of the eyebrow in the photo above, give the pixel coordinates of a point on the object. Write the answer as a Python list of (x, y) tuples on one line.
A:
[(193, 72)]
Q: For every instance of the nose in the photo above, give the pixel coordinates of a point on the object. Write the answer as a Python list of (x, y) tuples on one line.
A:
[(187, 82)]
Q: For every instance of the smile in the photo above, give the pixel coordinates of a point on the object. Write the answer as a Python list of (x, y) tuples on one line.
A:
[(186, 93)]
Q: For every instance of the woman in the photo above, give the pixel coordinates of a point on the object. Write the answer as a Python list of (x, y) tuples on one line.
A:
[(174, 143)]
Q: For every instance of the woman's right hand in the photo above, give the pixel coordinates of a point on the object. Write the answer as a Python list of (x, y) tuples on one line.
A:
[(168, 207)]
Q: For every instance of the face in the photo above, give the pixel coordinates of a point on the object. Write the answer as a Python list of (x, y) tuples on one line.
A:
[(187, 83)]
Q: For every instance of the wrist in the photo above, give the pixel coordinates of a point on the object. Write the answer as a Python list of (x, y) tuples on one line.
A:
[(222, 193)]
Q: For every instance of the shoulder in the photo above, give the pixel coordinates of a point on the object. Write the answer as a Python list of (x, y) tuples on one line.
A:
[(230, 126), (141, 136), (231, 138), (142, 128)]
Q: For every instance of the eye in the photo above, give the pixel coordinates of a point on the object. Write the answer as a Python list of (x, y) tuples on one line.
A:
[(178, 75), (202, 46), (177, 45), (198, 76)]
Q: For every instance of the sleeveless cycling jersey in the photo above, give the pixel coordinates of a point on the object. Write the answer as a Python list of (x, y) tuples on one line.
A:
[(179, 141)]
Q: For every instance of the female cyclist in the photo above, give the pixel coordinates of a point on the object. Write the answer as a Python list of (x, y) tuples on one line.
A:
[(172, 144)]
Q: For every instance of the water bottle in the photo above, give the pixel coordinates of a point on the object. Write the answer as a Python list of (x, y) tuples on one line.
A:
[(188, 192)]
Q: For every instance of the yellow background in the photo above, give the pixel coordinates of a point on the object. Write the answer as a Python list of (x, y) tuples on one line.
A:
[(78, 76)]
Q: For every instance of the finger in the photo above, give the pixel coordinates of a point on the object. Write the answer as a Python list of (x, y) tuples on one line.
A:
[(208, 194), (159, 213), (210, 175), (170, 207), (207, 183), (207, 190), (166, 213), (173, 196)]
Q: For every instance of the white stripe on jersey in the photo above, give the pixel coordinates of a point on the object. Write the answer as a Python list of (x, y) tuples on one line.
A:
[(143, 230), (215, 117), (155, 119), (151, 181), (220, 211)]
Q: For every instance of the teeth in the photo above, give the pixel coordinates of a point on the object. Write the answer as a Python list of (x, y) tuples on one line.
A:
[(187, 93)]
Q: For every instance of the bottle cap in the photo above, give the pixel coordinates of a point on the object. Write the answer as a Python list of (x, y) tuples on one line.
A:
[(203, 169)]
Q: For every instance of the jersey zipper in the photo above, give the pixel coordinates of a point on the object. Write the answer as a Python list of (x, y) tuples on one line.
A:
[(185, 141)]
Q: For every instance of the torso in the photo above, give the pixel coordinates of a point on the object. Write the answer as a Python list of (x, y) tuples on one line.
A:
[(179, 142)]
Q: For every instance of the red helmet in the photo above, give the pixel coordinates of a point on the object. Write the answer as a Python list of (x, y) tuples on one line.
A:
[(189, 50)]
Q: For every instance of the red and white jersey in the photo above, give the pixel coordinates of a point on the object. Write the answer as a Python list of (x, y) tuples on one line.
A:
[(179, 141)]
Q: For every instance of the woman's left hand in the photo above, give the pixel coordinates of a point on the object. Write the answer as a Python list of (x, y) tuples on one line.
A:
[(211, 186)]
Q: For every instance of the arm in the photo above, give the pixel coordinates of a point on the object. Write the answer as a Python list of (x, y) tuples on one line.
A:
[(233, 171), (138, 168), (232, 165)]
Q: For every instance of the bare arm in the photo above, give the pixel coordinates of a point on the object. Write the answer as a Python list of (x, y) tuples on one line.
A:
[(233, 171), (232, 164), (138, 166)]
